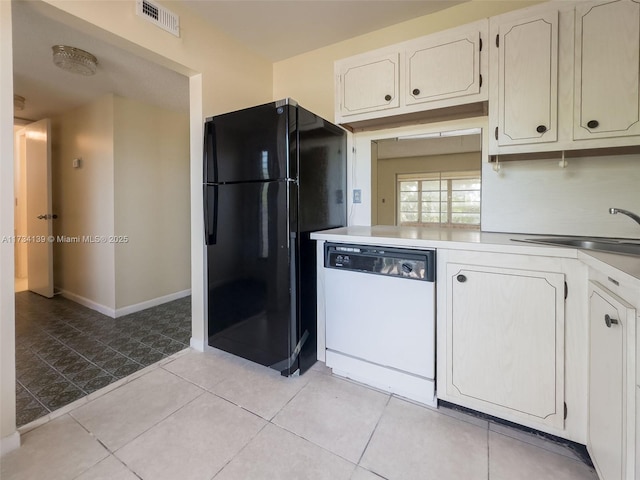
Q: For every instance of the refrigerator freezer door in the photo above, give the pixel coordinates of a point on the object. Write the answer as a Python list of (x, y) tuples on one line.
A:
[(249, 145), (251, 311)]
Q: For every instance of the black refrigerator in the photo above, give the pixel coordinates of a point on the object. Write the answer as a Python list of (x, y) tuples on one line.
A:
[(273, 174)]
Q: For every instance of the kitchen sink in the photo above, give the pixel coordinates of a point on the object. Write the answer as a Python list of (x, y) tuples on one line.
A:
[(611, 245)]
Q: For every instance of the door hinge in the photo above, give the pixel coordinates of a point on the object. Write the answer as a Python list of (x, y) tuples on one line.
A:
[(566, 290), (565, 410), (498, 40), (480, 45), (496, 133), (480, 80)]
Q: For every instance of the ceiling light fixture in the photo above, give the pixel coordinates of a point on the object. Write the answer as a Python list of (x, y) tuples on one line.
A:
[(18, 102), (74, 60)]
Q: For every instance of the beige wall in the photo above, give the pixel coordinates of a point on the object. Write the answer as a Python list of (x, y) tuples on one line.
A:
[(133, 181), (151, 150), (83, 199), (309, 78), (389, 168)]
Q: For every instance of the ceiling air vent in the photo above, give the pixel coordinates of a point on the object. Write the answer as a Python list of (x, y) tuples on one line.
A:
[(160, 16)]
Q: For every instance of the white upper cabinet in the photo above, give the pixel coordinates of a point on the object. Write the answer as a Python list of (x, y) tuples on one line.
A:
[(607, 81), (441, 70), (443, 66), (526, 105), (368, 83)]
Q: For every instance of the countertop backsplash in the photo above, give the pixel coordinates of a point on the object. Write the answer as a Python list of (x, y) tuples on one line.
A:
[(540, 197)]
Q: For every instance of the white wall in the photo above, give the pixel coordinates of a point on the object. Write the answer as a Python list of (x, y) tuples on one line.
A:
[(83, 198), (151, 153), (536, 196), (9, 438)]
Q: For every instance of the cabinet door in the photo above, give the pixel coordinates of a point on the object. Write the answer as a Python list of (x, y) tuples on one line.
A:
[(505, 339), (609, 318), (443, 66), (607, 78), (528, 80), (368, 84)]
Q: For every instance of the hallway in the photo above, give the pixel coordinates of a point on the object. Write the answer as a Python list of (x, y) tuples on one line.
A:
[(65, 351)]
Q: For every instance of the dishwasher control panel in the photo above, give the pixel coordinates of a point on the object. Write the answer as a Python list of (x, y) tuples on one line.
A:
[(394, 262)]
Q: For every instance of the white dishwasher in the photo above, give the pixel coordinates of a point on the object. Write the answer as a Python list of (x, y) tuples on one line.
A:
[(380, 317)]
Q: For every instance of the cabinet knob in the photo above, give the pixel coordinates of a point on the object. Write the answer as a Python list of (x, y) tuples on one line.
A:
[(610, 321), (461, 278), (593, 123), (416, 91), (388, 98), (541, 129)]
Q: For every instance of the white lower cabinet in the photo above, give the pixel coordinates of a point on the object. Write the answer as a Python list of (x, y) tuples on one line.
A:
[(611, 423), (505, 342)]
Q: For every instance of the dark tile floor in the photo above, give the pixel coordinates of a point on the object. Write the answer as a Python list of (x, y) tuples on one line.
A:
[(65, 351)]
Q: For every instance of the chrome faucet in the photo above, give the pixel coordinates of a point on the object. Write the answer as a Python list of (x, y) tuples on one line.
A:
[(629, 214)]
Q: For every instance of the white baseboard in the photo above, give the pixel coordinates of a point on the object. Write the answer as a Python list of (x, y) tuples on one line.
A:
[(154, 302), (109, 312), (120, 312), (9, 443), (198, 344)]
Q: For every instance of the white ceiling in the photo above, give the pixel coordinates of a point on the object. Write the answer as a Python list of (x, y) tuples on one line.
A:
[(50, 91), (279, 29), (275, 29)]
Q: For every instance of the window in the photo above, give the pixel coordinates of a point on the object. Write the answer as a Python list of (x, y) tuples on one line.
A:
[(442, 198)]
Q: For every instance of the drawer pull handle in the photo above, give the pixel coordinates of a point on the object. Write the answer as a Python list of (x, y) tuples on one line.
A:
[(610, 321), (388, 98), (461, 278), (416, 91), (541, 129), (593, 123)]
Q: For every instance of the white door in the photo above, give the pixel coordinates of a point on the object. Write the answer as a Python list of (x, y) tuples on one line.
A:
[(39, 212)]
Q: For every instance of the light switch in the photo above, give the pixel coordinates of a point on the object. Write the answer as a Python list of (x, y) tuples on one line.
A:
[(77, 162), (357, 196)]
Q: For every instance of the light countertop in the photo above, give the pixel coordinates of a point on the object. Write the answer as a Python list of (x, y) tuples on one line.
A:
[(458, 239)]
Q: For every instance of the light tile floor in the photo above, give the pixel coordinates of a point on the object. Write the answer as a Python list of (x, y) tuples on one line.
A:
[(203, 416)]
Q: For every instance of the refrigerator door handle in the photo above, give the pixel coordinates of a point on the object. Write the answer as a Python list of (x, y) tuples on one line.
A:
[(210, 154), (210, 214)]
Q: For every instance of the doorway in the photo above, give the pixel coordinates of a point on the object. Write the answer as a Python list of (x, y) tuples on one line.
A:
[(121, 237)]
